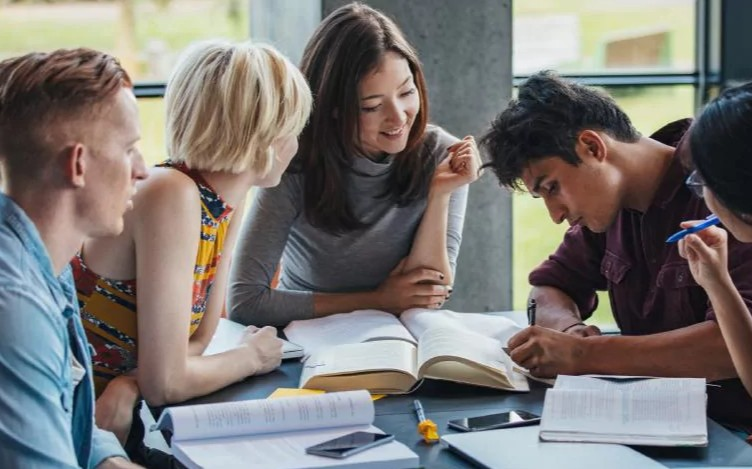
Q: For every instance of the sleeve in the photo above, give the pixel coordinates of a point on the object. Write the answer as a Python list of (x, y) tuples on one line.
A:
[(36, 402), (439, 140), (251, 299), (455, 224), (740, 268), (575, 268), (104, 445)]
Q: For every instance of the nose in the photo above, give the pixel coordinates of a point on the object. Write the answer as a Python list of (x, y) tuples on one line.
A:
[(396, 113), (556, 211), (138, 167)]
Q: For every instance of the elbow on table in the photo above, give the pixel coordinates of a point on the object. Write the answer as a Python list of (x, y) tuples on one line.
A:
[(158, 394)]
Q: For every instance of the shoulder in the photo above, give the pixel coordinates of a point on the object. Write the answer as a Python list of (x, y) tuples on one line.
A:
[(436, 140), (673, 132), (165, 189), (15, 259)]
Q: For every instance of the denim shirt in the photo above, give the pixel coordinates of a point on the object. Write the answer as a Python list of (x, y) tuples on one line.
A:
[(44, 420)]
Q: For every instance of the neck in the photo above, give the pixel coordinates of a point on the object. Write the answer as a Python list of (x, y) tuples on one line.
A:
[(55, 221), (644, 165), (233, 188)]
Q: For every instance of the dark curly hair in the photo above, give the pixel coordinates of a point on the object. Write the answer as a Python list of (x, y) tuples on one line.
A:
[(545, 120)]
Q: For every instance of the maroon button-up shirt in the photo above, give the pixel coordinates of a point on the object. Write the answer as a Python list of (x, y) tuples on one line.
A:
[(650, 286)]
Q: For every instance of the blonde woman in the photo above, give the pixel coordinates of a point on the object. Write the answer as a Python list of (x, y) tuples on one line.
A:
[(151, 297)]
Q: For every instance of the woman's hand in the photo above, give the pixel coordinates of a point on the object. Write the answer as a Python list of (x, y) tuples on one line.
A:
[(265, 346), (461, 167), (114, 408), (707, 254), (417, 288)]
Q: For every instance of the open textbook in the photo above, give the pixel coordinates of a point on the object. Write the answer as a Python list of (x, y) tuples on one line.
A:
[(625, 409), (377, 351), (267, 433)]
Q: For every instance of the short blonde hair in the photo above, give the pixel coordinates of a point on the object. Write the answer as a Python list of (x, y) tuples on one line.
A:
[(227, 103)]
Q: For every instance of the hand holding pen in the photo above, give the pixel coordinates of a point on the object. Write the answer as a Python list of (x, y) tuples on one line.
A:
[(692, 227), (706, 252)]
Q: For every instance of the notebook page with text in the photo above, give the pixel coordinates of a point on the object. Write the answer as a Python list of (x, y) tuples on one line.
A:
[(267, 415), (629, 415)]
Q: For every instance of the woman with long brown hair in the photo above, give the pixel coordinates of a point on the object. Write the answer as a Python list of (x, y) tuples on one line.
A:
[(370, 212)]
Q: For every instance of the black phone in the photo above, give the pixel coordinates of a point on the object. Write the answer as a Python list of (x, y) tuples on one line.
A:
[(349, 444), (514, 418)]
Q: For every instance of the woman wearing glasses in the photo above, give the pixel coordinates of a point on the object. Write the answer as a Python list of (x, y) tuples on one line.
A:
[(722, 154)]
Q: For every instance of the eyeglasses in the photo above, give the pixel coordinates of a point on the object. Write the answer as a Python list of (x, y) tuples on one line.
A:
[(695, 183)]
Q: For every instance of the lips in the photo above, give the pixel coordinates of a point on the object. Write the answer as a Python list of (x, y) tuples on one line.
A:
[(395, 132)]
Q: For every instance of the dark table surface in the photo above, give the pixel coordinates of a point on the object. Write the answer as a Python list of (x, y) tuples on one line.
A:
[(444, 401)]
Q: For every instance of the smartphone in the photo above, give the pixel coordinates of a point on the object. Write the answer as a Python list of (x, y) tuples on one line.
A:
[(515, 418), (349, 444)]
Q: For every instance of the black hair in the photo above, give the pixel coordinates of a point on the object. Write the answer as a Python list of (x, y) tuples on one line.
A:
[(545, 120), (721, 147)]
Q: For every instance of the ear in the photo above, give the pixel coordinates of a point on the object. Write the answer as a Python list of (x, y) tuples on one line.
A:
[(75, 165), (590, 144)]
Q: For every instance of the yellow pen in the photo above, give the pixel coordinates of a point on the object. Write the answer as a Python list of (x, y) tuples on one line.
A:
[(426, 428)]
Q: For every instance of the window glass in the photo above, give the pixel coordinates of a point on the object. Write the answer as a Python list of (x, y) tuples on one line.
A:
[(596, 36), (535, 236), (146, 35)]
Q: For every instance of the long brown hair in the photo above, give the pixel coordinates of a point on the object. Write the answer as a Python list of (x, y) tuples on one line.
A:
[(347, 45)]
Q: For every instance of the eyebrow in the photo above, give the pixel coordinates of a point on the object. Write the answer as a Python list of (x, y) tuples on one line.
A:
[(536, 186), (380, 95)]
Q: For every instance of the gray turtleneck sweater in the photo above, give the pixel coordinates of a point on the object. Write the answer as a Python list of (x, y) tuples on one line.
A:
[(316, 261)]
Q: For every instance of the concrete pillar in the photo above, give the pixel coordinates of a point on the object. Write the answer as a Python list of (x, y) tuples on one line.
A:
[(286, 24), (466, 51)]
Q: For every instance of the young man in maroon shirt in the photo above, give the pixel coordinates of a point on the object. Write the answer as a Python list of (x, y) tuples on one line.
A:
[(623, 194)]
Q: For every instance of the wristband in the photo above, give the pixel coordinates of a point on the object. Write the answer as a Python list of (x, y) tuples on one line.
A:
[(572, 325)]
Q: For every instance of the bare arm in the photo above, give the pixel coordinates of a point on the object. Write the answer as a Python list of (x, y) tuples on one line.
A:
[(429, 249), (697, 350), (166, 236), (736, 326), (707, 255)]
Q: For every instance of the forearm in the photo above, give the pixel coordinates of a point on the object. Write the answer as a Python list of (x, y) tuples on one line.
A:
[(693, 351), (555, 309), (736, 327), (199, 375), (325, 304), (260, 305), (429, 248)]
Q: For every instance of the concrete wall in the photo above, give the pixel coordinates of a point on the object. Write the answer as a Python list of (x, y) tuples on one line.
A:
[(466, 50)]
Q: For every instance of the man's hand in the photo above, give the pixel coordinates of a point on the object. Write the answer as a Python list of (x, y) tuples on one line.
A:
[(582, 330), (118, 463), (265, 347), (547, 353), (418, 288)]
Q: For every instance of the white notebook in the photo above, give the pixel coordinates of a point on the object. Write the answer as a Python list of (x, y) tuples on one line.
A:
[(228, 335), (520, 448), (274, 433), (626, 409)]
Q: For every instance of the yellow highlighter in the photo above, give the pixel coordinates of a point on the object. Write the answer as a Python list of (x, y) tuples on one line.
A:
[(427, 428)]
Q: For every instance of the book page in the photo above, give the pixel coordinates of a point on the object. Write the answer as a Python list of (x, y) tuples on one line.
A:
[(635, 411), (360, 360), (484, 354), (287, 451), (346, 328), (418, 321), (268, 415)]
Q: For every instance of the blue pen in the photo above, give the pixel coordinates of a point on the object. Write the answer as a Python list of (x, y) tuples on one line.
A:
[(710, 221)]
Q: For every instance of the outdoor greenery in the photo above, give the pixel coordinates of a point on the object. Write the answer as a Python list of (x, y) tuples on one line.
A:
[(144, 32)]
